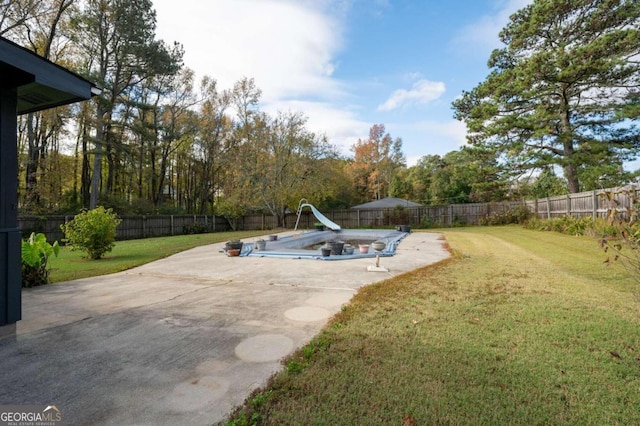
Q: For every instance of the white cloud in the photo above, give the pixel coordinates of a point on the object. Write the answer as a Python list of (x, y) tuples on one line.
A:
[(285, 46), (482, 35), (422, 91)]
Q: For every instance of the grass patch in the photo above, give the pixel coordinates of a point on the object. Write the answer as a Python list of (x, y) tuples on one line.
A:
[(71, 265), (518, 327)]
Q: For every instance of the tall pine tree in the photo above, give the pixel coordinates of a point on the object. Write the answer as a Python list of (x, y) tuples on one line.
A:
[(558, 92)]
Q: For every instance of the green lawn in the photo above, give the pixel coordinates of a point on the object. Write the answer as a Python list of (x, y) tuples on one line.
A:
[(518, 327), (71, 265)]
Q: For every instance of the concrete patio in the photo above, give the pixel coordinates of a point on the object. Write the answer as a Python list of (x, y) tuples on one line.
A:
[(182, 340)]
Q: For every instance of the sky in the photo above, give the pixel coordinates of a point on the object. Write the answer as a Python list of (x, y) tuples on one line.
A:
[(347, 64)]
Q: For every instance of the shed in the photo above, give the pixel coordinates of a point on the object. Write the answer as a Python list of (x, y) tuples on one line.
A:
[(29, 83), (387, 203)]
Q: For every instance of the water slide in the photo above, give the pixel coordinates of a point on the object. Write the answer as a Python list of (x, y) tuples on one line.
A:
[(321, 218)]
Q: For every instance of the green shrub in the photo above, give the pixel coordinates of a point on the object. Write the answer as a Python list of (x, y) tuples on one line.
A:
[(536, 224), (230, 209), (427, 222), (458, 222), (35, 256), (92, 231), (579, 226), (604, 228), (196, 228), (572, 226), (518, 214)]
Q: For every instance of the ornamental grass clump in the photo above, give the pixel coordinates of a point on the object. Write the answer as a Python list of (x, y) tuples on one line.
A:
[(92, 231)]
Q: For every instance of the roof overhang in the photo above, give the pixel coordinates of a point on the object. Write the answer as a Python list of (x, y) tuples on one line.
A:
[(40, 83)]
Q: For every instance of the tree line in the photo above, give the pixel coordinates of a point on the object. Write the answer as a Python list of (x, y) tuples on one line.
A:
[(561, 95)]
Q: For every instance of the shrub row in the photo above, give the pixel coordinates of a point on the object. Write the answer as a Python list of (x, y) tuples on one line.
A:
[(515, 215), (576, 226)]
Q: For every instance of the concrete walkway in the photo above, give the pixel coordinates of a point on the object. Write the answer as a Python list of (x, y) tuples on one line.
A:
[(182, 340)]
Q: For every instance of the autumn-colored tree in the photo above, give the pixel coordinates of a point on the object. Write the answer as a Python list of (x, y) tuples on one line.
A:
[(17, 16), (280, 164), (214, 141), (338, 190), (148, 142), (234, 194), (376, 161)]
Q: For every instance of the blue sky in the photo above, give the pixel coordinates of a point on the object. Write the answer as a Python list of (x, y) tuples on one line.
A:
[(347, 64)]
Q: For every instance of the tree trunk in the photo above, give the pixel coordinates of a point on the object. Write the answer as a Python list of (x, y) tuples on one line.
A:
[(140, 168), (154, 191), (571, 174), (161, 178), (570, 168), (96, 175), (109, 151), (33, 159), (85, 180)]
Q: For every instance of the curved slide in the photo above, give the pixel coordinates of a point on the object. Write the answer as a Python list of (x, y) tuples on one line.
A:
[(322, 218)]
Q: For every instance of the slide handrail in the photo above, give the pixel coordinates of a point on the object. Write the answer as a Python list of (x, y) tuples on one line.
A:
[(321, 218)]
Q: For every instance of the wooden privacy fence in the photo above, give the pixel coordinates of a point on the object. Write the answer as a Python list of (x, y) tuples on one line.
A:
[(595, 204), (444, 216), (134, 227), (131, 227), (585, 204)]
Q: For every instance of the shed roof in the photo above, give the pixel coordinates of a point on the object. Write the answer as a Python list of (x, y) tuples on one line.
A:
[(386, 203), (40, 83)]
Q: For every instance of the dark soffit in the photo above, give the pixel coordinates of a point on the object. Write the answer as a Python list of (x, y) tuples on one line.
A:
[(41, 84)]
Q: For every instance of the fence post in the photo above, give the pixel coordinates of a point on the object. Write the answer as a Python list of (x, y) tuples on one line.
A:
[(548, 208), (144, 226), (171, 224), (568, 204), (450, 214), (594, 212)]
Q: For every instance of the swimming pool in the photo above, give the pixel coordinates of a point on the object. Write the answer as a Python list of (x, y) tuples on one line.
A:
[(298, 246)]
